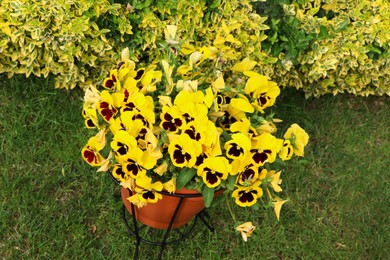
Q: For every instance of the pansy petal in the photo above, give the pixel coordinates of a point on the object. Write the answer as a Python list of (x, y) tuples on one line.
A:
[(278, 203)]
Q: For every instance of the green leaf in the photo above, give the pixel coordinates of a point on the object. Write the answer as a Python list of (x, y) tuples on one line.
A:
[(323, 32), (215, 4), (185, 175), (105, 31), (208, 196), (274, 38), (342, 25), (232, 182), (373, 49), (274, 24), (284, 38)]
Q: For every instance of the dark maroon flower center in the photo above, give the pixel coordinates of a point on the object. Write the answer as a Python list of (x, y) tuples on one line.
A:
[(179, 156), (188, 118), (247, 196), (263, 99), (122, 150), (119, 172), (248, 174), (90, 123), (133, 167), (235, 150), (193, 134), (212, 177), (148, 195), (171, 123), (227, 120), (90, 156), (139, 75), (106, 110), (260, 156), (130, 106)]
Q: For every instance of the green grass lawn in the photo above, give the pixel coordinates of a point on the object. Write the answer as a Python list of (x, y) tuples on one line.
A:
[(53, 205)]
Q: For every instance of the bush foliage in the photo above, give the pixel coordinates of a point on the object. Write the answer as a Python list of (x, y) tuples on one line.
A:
[(65, 38), (320, 46), (78, 41), (329, 46)]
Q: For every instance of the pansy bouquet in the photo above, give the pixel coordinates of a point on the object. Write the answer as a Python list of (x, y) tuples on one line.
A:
[(193, 124)]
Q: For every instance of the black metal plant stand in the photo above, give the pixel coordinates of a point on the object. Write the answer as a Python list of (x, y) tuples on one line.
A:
[(135, 229)]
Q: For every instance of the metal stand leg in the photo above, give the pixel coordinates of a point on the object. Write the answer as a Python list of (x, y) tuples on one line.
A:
[(204, 212)]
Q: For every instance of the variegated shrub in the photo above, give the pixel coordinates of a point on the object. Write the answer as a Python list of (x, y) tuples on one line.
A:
[(78, 41), (330, 46), (231, 26), (66, 38)]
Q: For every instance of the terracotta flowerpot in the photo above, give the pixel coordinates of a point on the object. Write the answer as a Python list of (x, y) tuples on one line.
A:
[(158, 215)]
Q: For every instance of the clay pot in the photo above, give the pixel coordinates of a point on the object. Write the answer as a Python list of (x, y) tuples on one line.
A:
[(158, 215)]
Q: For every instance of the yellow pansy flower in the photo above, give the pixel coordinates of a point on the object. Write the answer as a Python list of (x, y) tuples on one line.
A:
[(255, 82), (248, 176), (247, 196), (213, 170), (123, 142), (112, 83), (183, 151), (130, 168), (263, 90), (91, 156), (171, 119), (90, 117), (266, 97), (244, 126), (298, 137), (109, 104), (239, 166), (137, 200), (287, 151), (90, 152), (238, 147), (118, 173), (146, 191), (264, 149)]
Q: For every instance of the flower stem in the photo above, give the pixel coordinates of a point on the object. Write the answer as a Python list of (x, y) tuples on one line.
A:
[(231, 211)]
